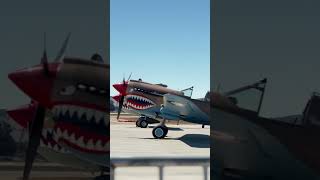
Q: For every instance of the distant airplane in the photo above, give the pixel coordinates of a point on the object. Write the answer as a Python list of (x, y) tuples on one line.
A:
[(248, 146), (73, 92)]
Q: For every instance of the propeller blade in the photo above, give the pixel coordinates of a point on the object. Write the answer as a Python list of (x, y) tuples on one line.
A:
[(63, 49), (120, 106), (129, 77), (34, 141), (123, 81), (44, 59), (122, 96)]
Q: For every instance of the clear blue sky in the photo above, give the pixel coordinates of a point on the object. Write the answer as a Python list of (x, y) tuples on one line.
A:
[(165, 41)]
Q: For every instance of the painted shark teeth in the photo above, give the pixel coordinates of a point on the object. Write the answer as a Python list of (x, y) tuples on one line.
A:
[(51, 144), (138, 102), (79, 112), (79, 141)]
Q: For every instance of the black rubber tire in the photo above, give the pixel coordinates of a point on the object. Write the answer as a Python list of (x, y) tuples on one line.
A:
[(143, 124), (138, 123), (160, 132)]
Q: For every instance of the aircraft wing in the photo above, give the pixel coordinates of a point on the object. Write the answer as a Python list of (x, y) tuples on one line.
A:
[(236, 148), (245, 149), (182, 108)]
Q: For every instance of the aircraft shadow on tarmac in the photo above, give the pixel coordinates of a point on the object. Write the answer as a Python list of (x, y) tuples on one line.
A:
[(196, 140), (192, 140)]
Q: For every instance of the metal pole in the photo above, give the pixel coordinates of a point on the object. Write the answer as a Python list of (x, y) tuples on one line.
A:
[(112, 171), (160, 172), (205, 172)]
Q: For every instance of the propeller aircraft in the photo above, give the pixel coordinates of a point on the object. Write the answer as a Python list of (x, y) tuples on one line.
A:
[(143, 98), (155, 101), (249, 146), (161, 103), (72, 93)]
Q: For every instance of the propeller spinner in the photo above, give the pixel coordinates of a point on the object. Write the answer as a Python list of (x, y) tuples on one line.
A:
[(122, 89)]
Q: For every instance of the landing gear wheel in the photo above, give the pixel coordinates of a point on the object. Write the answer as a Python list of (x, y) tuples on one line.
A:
[(138, 123), (143, 124), (159, 132)]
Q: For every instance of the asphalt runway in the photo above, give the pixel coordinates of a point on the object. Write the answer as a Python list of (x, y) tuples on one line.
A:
[(183, 140), (127, 140)]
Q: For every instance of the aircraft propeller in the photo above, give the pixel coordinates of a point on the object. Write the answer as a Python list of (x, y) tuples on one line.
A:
[(34, 140), (36, 125), (123, 94)]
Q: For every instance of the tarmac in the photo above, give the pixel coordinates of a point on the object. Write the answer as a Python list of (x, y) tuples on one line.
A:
[(128, 141), (183, 140)]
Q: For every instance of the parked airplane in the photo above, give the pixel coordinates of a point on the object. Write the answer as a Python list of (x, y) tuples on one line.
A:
[(73, 91), (161, 103), (144, 99), (248, 146)]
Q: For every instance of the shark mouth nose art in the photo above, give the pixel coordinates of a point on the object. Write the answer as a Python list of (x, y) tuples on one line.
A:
[(48, 139), (73, 113), (138, 102), (81, 140), (81, 127)]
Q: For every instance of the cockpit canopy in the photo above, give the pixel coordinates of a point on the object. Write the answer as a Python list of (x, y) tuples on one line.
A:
[(188, 92), (248, 97)]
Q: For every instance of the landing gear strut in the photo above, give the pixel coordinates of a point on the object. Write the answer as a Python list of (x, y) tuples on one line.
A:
[(142, 122), (160, 131)]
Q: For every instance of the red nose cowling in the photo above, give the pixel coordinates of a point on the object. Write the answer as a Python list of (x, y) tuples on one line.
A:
[(116, 98), (121, 88), (23, 115), (35, 82)]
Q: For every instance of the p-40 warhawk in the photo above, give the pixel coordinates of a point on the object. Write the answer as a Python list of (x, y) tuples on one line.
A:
[(160, 103), (144, 99), (69, 111), (248, 146)]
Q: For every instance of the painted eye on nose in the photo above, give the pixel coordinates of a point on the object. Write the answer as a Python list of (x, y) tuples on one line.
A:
[(102, 92), (92, 88), (69, 90), (82, 86)]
